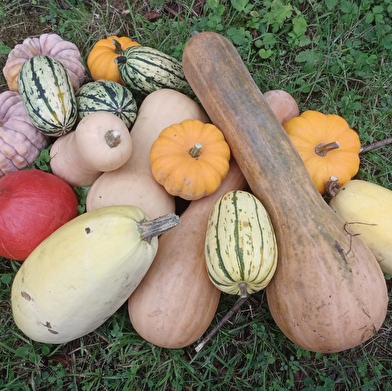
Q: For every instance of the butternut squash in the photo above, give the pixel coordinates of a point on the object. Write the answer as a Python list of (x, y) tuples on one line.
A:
[(328, 293), (101, 142), (282, 104), (176, 301), (133, 183)]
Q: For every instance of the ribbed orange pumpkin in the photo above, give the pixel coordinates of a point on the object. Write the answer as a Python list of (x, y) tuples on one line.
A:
[(190, 159), (327, 146), (100, 61)]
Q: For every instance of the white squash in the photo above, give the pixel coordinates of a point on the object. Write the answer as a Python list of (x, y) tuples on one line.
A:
[(240, 247), (82, 273)]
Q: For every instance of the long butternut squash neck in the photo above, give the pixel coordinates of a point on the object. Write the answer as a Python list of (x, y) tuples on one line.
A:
[(259, 143)]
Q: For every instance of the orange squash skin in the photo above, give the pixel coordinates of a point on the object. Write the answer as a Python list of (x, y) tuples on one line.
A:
[(328, 293)]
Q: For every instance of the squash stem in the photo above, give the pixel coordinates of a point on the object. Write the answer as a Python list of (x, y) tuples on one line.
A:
[(322, 149), (113, 138), (195, 151), (228, 315), (151, 228), (117, 46), (120, 60)]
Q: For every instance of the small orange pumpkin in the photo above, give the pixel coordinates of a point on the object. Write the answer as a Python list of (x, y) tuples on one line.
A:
[(100, 60), (327, 146), (190, 159)]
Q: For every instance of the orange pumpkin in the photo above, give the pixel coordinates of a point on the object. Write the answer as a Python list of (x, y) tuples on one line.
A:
[(190, 159), (100, 60), (327, 146)]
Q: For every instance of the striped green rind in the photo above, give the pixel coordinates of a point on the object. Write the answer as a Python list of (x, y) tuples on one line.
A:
[(47, 95), (107, 95), (147, 69), (240, 244)]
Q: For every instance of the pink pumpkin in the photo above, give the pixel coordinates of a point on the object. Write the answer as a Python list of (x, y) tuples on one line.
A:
[(20, 141), (33, 204)]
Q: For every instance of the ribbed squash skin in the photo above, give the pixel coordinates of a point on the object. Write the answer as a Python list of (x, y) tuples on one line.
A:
[(48, 96), (328, 293), (147, 69), (240, 244), (106, 95), (81, 274), (367, 210)]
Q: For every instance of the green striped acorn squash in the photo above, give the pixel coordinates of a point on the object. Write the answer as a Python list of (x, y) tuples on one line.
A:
[(47, 95), (107, 95), (240, 247), (144, 70)]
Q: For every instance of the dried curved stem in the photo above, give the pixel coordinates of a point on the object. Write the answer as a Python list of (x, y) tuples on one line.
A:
[(376, 144)]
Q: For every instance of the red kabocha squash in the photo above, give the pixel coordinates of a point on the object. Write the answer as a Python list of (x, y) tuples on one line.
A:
[(48, 44), (20, 141), (33, 204)]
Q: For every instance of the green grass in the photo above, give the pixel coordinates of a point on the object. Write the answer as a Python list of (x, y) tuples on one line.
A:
[(333, 56)]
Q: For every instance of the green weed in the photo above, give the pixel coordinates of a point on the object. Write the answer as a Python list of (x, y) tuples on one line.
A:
[(333, 56)]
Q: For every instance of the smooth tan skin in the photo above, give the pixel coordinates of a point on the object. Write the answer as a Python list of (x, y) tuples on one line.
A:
[(81, 156), (176, 301), (328, 293), (133, 183)]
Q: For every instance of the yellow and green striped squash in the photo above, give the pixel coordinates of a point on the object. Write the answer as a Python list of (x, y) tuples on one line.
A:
[(240, 246), (47, 95)]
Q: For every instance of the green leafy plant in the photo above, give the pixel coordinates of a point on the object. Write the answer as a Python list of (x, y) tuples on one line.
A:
[(332, 56)]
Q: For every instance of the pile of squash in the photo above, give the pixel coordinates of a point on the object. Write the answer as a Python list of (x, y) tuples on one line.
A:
[(189, 200)]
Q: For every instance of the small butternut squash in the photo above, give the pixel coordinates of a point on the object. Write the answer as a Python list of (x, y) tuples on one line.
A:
[(367, 210), (176, 301), (328, 293), (85, 271), (282, 104), (133, 183), (101, 142)]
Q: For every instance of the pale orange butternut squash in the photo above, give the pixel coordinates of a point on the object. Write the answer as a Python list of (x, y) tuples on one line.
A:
[(133, 183), (328, 293)]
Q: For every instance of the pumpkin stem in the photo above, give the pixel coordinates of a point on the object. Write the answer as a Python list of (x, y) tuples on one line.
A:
[(332, 186), (113, 138), (117, 46), (322, 149), (195, 151), (151, 228)]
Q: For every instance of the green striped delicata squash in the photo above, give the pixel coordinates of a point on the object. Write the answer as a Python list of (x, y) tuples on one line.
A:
[(240, 247), (144, 70), (107, 95), (47, 95)]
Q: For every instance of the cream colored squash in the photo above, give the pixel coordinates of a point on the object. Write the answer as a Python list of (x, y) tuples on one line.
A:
[(133, 183), (366, 209), (83, 272), (101, 142)]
